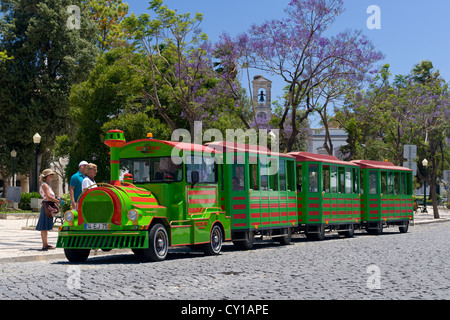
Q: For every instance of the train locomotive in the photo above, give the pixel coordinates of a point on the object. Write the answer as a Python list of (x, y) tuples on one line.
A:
[(182, 194)]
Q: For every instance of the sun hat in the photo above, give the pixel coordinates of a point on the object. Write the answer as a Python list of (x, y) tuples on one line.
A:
[(82, 163), (46, 173)]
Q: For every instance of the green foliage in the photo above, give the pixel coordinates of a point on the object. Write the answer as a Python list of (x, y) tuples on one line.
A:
[(25, 200), (414, 109), (178, 64), (4, 56), (48, 59), (136, 126), (66, 206), (111, 98), (107, 16), (3, 204)]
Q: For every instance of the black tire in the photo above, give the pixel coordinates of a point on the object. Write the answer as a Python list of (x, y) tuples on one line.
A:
[(285, 240), (158, 244), (77, 255), (348, 233), (377, 230), (247, 243), (138, 253), (404, 228), (316, 236), (215, 242)]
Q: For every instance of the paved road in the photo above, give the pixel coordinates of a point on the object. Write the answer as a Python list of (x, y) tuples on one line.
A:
[(392, 266)]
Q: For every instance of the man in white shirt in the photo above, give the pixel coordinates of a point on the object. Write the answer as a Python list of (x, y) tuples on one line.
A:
[(91, 172)]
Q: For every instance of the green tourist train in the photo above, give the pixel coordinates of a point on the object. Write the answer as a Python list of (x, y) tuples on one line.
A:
[(166, 194)]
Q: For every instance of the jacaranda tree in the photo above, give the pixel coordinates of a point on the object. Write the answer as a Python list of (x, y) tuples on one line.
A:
[(296, 49)]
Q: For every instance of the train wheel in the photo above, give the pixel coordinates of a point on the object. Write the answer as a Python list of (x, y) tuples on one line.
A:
[(286, 239), (248, 241), (158, 245), (404, 228), (349, 233), (318, 235), (215, 244), (77, 255), (377, 230)]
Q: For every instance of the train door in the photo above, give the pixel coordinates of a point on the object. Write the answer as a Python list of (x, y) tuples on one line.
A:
[(274, 192), (403, 194), (348, 195), (341, 198), (334, 194), (313, 195), (373, 197), (291, 193), (398, 197), (283, 194), (265, 191), (301, 202), (239, 193), (326, 194), (356, 199), (385, 195), (255, 192)]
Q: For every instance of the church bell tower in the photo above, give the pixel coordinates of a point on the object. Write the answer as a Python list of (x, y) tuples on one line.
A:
[(262, 98)]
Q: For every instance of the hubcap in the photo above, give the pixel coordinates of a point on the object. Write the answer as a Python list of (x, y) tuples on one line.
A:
[(160, 243), (216, 241)]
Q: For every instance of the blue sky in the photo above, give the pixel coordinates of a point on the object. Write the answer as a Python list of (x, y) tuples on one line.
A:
[(411, 30)]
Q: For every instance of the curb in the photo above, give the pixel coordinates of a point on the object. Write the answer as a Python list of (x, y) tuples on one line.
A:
[(55, 256), (440, 220)]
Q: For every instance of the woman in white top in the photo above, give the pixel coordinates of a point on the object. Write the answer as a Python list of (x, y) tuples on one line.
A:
[(46, 223), (91, 172)]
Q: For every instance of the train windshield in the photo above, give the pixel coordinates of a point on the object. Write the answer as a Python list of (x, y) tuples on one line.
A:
[(152, 170)]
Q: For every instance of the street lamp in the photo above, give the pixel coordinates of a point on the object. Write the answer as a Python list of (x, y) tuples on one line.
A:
[(36, 140), (13, 156), (424, 164)]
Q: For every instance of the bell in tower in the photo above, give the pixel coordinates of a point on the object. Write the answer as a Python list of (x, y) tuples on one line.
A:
[(262, 97)]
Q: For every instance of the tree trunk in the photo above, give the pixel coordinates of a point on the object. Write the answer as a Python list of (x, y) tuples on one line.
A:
[(434, 199)]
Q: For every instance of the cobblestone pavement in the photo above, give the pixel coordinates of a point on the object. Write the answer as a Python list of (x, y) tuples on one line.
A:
[(392, 266)]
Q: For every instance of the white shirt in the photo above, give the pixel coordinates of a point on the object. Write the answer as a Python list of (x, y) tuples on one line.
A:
[(87, 182), (41, 191)]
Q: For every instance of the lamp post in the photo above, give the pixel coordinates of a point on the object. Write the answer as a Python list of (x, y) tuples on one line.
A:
[(36, 140), (424, 164), (13, 156)]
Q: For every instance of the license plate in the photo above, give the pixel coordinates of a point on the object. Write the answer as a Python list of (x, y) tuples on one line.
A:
[(97, 226)]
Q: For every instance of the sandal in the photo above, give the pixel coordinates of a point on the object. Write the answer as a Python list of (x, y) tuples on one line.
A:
[(48, 248)]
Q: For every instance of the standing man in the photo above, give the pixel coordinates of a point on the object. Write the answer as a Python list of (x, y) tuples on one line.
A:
[(75, 184)]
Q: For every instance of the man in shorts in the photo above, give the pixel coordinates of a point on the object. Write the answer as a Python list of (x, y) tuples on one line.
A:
[(75, 184)]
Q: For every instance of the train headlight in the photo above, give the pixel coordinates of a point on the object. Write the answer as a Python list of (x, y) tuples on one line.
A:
[(68, 216), (133, 215)]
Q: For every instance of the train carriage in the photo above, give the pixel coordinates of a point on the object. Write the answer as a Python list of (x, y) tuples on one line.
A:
[(328, 195), (165, 193), (161, 203), (386, 195), (259, 191)]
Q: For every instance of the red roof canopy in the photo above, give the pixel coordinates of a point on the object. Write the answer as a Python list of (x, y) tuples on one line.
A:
[(228, 146), (379, 165), (179, 145), (307, 156)]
